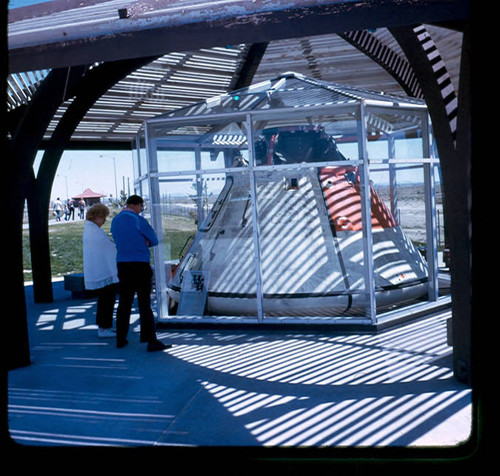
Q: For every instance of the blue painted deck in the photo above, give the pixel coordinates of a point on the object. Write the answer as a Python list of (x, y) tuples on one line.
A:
[(240, 388)]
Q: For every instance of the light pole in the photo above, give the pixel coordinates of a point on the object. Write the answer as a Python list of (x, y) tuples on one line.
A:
[(114, 168)]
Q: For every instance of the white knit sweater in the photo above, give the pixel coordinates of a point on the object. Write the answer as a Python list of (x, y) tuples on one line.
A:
[(99, 257)]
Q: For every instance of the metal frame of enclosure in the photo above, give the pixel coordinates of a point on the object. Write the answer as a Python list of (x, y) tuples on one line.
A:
[(185, 158)]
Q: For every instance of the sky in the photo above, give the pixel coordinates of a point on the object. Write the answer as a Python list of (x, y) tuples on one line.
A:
[(79, 170), (23, 3)]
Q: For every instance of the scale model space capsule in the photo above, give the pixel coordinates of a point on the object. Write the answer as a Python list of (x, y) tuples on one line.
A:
[(310, 229)]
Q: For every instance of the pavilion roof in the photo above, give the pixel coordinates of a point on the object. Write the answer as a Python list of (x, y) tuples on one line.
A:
[(67, 32), (88, 193)]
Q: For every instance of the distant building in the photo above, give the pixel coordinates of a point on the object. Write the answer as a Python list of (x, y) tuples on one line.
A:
[(89, 196)]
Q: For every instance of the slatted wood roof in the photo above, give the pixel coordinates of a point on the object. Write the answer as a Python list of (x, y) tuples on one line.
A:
[(180, 78)]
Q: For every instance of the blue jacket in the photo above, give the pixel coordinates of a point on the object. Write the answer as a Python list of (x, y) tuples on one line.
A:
[(133, 235)]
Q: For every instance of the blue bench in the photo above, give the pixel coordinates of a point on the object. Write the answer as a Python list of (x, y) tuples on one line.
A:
[(76, 284)]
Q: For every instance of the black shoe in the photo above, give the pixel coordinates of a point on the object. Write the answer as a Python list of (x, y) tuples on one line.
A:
[(120, 345), (144, 339), (157, 345)]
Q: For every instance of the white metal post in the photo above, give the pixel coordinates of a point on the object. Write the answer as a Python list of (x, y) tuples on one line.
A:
[(430, 213), (391, 145), (136, 161), (366, 216), (255, 218), (156, 223), (199, 185)]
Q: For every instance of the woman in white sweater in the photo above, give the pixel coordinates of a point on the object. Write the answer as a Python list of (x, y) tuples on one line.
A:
[(99, 267)]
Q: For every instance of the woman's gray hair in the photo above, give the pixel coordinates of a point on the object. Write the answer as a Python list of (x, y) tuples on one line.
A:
[(97, 210)]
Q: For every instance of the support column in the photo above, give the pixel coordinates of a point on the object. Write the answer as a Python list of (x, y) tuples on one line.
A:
[(455, 166), (393, 186), (460, 236), (86, 91), (21, 184), (430, 215), (22, 152), (366, 216), (255, 219)]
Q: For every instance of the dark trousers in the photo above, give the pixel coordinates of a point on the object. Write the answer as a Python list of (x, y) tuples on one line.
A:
[(135, 277), (105, 306)]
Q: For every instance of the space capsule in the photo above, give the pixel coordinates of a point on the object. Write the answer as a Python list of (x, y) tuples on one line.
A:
[(311, 259)]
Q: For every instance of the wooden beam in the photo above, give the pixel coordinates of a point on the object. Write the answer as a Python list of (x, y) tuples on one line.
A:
[(455, 167), (252, 61), (22, 151), (90, 88), (220, 25), (460, 175)]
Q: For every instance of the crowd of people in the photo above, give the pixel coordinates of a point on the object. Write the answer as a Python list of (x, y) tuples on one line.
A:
[(121, 265), (66, 209)]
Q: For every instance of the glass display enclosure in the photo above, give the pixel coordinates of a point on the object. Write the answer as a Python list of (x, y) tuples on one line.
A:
[(283, 202)]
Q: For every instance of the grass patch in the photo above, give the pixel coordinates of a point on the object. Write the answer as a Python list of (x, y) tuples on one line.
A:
[(176, 233), (66, 248)]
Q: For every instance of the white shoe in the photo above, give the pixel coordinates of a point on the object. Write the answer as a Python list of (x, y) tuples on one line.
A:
[(105, 333)]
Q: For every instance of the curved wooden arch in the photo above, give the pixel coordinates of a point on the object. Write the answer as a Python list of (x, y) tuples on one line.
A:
[(451, 123), (424, 74), (88, 90), (402, 70), (397, 66), (22, 151)]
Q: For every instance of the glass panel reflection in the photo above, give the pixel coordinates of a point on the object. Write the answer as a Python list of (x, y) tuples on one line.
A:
[(218, 262), (284, 216)]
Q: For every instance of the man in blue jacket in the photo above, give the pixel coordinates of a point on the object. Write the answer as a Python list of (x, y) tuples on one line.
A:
[(133, 236)]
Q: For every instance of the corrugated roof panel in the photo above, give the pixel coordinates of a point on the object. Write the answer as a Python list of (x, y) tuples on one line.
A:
[(180, 79), (21, 86), (165, 84)]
